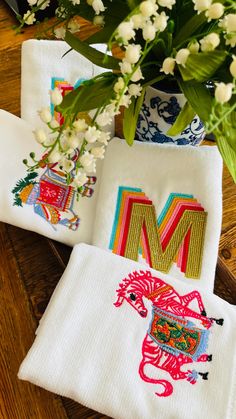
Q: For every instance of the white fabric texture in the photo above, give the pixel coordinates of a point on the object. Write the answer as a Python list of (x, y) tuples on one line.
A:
[(159, 170), (17, 141), (90, 350), (40, 62)]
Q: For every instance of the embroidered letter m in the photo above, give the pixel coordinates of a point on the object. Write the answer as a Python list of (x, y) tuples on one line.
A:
[(177, 235)]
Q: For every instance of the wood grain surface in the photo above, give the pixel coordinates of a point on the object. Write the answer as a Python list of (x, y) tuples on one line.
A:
[(31, 266)]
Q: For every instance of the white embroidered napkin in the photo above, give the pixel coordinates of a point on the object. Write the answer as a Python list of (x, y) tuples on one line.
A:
[(163, 205), (135, 344), (41, 201), (43, 68)]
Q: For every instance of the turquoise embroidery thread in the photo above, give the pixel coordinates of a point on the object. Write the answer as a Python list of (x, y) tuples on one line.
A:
[(117, 212)]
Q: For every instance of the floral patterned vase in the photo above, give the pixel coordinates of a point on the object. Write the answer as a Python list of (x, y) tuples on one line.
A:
[(159, 112)]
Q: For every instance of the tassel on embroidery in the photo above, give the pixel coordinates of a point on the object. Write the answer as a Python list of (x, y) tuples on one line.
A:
[(171, 335)]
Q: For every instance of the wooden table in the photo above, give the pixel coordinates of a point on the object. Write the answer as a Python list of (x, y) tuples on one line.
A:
[(31, 266)]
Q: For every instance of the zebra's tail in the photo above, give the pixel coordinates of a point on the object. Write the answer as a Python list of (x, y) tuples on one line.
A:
[(168, 388)]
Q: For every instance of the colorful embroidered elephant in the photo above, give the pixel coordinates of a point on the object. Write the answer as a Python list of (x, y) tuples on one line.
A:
[(172, 340), (51, 197)]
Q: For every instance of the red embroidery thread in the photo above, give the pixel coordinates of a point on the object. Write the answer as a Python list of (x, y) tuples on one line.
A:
[(172, 340)]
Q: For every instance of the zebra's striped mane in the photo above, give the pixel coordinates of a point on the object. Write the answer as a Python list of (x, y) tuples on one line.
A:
[(136, 276)]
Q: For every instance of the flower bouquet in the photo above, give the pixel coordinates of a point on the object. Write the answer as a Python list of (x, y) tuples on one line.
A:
[(188, 42)]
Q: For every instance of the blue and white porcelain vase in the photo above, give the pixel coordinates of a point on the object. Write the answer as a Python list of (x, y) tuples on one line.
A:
[(158, 113)]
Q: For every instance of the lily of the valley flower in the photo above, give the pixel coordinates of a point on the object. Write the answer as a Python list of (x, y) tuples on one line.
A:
[(45, 115), (67, 165), (40, 135), (166, 3), (54, 124), (103, 119), (135, 89), (132, 53), (210, 42), (43, 5), (56, 96), (215, 11), (228, 23), (168, 65), (125, 67), (201, 5), (125, 31), (231, 40), (149, 32), (182, 56), (137, 75), (232, 67), (99, 20), (73, 26), (80, 125), (29, 18), (160, 21), (60, 32), (75, 141), (148, 8), (86, 160), (138, 21), (119, 85), (223, 92), (80, 179), (98, 6), (98, 152), (194, 47), (54, 157), (92, 135)]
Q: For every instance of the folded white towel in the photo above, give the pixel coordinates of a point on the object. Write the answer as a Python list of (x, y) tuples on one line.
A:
[(135, 344), (169, 196), (41, 202), (43, 68)]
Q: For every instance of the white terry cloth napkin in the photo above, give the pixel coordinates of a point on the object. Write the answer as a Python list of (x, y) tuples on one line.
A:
[(43, 203), (133, 343), (43, 68), (162, 186)]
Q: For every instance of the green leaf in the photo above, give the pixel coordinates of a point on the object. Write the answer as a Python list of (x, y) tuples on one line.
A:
[(202, 66), (116, 12), (131, 115), (103, 35), (189, 28), (230, 126), (228, 154), (186, 75), (96, 57), (184, 118), (90, 95), (22, 183), (17, 201), (85, 11), (198, 97)]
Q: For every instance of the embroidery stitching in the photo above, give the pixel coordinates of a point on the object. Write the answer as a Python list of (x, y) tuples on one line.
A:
[(51, 197), (177, 235), (171, 340), (65, 87)]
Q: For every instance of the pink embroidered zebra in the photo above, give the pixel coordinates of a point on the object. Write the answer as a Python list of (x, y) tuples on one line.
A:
[(172, 340)]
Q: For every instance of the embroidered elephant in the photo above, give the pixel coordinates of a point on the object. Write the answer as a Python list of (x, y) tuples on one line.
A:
[(51, 197), (172, 340)]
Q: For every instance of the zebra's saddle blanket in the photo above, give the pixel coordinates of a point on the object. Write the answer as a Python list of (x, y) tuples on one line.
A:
[(176, 335)]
